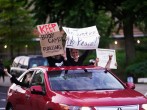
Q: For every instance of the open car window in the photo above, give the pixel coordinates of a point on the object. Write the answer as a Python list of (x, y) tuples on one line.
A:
[(78, 80)]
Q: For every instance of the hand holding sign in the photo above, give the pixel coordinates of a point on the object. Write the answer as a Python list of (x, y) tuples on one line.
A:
[(48, 28), (50, 39), (82, 38), (107, 58)]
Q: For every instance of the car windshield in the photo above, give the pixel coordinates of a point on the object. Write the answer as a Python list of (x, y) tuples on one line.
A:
[(87, 80)]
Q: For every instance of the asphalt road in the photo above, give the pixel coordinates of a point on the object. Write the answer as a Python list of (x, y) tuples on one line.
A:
[(3, 93), (142, 88)]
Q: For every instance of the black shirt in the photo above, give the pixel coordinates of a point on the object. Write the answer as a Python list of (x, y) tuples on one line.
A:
[(72, 62), (2, 72), (14, 80), (52, 61)]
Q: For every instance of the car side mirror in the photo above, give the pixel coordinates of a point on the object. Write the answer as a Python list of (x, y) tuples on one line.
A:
[(37, 90), (130, 85)]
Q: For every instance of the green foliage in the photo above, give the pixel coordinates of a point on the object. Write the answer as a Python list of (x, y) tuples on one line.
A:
[(138, 69), (120, 58), (41, 9), (16, 24), (14, 19), (7, 63)]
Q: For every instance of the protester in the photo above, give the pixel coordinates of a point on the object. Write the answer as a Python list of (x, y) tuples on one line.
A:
[(57, 60), (14, 80), (2, 72), (73, 57)]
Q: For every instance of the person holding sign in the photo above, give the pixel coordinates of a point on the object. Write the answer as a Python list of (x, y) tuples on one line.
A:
[(51, 43), (73, 57), (57, 60), (80, 38)]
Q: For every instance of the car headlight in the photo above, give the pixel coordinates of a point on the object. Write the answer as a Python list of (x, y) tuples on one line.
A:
[(144, 106), (68, 107)]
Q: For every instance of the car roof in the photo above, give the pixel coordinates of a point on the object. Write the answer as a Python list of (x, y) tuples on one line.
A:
[(35, 56), (29, 56), (70, 68)]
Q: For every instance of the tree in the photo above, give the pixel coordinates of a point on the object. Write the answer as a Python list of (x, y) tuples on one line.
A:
[(127, 13), (72, 13), (41, 10), (81, 13), (15, 23)]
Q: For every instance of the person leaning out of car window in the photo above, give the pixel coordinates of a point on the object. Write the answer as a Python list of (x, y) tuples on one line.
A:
[(14, 79)]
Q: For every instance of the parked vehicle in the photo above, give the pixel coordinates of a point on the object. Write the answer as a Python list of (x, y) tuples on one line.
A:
[(74, 88), (23, 63)]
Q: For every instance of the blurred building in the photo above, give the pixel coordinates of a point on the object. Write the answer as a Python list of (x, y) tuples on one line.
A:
[(119, 42)]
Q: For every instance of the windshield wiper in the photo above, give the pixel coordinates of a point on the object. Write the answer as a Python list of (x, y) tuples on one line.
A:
[(106, 89)]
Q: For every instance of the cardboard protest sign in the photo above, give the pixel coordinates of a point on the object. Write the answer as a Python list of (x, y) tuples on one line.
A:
[(51, 44), (50, 39), (82, 38), (103, 55), (48, 28)]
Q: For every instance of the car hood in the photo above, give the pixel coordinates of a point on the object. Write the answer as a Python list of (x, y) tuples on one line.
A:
[(100, 98)]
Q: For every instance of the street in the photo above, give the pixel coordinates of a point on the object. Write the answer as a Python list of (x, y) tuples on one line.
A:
[(3, 93), (142, 88)]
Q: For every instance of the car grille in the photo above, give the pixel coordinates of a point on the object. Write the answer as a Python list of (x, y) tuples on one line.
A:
[(127, 107)]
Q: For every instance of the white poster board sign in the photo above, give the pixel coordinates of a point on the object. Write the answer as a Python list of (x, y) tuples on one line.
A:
[(82, 38), (103, 55), (50, 39), (48, 28)]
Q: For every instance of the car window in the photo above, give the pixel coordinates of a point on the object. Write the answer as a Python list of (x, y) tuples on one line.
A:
[(38, 79), (21, 61), (34, 62), (15, 62), (27, 77), (83, 80), (26, 62)]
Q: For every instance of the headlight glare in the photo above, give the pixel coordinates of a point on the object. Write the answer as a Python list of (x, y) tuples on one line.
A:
[(144, 106), (85, 108), (64, 107), (68, 107)]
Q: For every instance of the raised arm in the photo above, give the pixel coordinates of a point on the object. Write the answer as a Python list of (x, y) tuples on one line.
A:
[(109, 62), (14, 80)]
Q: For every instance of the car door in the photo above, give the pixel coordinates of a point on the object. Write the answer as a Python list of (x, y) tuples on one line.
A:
[(22, 94), (38, 101)]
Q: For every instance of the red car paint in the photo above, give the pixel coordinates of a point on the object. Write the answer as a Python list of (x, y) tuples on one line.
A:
[(21, 98)]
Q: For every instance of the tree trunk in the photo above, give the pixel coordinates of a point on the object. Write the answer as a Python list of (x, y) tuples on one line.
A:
[(129, 40), (11, 52)]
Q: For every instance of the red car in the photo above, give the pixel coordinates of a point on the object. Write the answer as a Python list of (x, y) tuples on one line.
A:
[(74, 88)]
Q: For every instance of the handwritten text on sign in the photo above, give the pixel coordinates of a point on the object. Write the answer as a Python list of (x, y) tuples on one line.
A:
[(82, 38), (103, 55), (48, 28), (51, 44)]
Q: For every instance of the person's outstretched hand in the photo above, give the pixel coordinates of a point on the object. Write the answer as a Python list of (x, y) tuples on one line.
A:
[(96, 62), (110, 57), (6, 72)]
